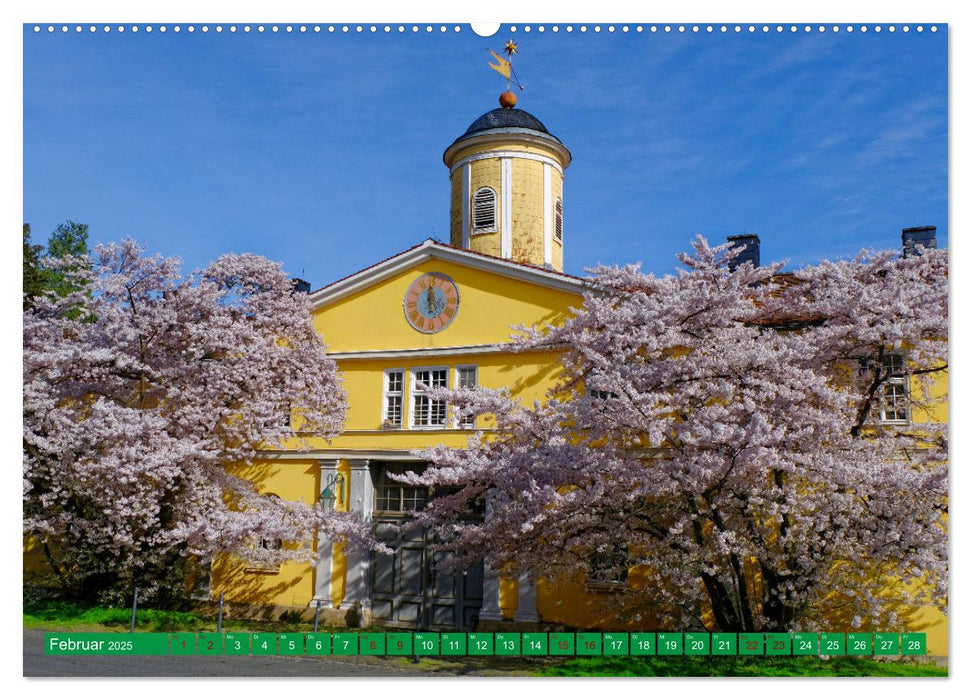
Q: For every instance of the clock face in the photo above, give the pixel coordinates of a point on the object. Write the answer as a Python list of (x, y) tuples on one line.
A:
[(431, 302)]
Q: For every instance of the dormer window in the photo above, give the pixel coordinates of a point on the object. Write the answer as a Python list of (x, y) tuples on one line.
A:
[(558, 220), (484, 210)]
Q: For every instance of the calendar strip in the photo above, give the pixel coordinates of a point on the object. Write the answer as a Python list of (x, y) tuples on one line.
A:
[(568, 644)]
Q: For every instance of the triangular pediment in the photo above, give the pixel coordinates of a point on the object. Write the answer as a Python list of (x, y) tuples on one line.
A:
[(433, 250), (368, 312)]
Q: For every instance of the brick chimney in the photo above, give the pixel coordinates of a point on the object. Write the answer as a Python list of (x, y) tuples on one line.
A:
[(749, 243), (918, 235)]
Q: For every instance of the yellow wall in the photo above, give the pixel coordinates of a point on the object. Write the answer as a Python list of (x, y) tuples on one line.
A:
[(527, 201), (291, 583), (485, 173), (488, 305), (374, 319)]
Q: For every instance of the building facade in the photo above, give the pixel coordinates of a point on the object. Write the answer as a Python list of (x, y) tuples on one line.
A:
[(434, 315), (440, 315)]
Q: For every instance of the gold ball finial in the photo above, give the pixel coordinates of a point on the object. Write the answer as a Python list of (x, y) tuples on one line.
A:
[(507, 100)]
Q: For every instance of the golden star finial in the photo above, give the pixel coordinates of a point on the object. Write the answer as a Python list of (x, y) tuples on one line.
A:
[(511, 48)]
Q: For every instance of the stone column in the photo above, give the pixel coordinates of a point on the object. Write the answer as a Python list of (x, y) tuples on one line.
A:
[(490, 610), (526, 603), (325, 548), (358, 587)]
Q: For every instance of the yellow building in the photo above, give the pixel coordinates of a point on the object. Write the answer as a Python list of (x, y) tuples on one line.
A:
[(437, 315)]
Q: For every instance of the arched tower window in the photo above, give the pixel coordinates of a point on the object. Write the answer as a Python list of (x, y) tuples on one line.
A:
[(558, 220), (484, 210)]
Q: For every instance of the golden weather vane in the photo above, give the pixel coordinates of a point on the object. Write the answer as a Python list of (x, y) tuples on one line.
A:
[(503, 66)]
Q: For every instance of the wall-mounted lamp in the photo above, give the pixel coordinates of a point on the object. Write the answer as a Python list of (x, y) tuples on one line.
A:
[(333, 492)]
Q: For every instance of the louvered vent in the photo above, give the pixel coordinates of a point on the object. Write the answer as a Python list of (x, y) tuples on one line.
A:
[(484, 210)]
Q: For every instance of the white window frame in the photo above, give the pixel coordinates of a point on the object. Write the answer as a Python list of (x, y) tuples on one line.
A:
[(475, 378), (386, 393), (495, 212), (415, 393), (558, 220), (904, 383)]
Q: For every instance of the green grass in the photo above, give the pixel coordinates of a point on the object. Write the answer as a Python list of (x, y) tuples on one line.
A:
[(78, 617), (741, 666)]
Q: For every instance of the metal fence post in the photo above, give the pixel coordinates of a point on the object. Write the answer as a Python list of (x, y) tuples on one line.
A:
[(134, 608), (219, 622)]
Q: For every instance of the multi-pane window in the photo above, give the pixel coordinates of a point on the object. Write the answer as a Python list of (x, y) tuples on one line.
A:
[(484, 210), (893, 405), (391, 496), (558, 220), (426, 411), (465, 378), (394, 397)]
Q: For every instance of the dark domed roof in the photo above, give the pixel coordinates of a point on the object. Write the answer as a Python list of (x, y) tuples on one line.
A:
[(505, 118), (502, 122)]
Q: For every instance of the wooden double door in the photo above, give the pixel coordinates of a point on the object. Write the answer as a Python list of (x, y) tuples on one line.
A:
[(412, 586)]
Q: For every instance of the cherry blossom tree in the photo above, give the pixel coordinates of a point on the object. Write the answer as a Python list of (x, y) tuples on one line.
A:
[(718, 433), (144, 392)]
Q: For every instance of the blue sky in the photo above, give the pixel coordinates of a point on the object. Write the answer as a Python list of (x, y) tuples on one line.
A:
[(323, 151)]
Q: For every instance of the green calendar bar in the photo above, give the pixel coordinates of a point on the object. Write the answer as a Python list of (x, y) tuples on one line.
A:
[(805, 644), (344, 644), (859, 644), (183, 644), (751, 644), (372, 644), (536, 644), (670, 644), (697, 643), (490, 644), (209, 644), (481, 644), (589, 644), (427, 644), (886, 644), (643, 644), (724, 644), (913, 643), (264, 644), (562, 644), (778, 644), (291, 644), (318, 644), (454, 644), (616, 644), (237, 643), (832, 644), (106, 644), (400, 644), (508, 644)]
